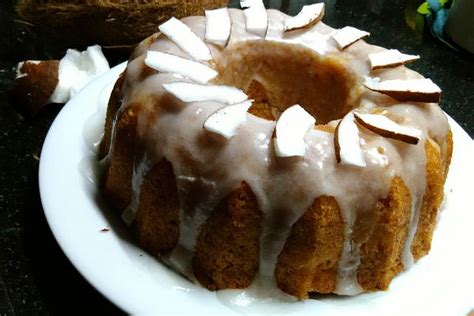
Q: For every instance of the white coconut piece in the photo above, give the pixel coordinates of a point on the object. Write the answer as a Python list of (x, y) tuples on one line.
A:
[(225, 121), (385, 127), (218, 26), (244, 4), (256, 19), (193, 70), (390, 58), (416, 90), (348, 35), (347, 142), (95, 57), (291, 128), (191, 92), (186, 39), (308, 16), (76, 70)]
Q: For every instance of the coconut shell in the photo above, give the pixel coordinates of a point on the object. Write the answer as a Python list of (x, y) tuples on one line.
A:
[(105, 22), (35, 86)]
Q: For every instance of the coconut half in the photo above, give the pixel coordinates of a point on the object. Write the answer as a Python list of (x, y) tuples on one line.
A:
[(390, 58), (416, 90), (385, 127), (308, 16), (192, 92), (225, 121), (186, 39), (218, 26), (291, 128), (76, 70), (56, 81), (347, 36), (347, 142), (256, 19), (166, 62)]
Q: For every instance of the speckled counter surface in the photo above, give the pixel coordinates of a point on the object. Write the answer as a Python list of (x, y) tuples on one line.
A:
[(35, 276)]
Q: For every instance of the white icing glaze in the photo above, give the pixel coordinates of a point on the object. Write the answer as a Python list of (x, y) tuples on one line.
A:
[(284, 188)]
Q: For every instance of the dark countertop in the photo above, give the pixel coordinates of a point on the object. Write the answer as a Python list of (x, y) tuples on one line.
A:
[(35, 276)]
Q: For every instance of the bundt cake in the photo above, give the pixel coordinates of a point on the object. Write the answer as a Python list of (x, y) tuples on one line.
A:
[(247, 144)]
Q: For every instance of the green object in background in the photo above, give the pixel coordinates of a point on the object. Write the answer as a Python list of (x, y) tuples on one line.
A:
[(425, 7), (436, 13)]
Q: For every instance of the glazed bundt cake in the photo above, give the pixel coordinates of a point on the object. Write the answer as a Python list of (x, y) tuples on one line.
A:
[(248, 144)]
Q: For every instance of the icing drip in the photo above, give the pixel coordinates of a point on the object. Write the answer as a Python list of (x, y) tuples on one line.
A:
[(347, 274), (417, 192), (139, 171)]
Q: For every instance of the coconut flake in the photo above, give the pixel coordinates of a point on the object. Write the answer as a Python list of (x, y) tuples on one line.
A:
[(390, 58), (416, 90), (244, 4), (347, 142), (218, 26), (385, 127), (186, 39), (193, 70), (225, 121), (348, 35), (256, 20), (291, 128), (191, 92), (308, 16), (76, 70)]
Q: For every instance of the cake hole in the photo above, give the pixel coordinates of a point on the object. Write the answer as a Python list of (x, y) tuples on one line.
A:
[(261, 106), (278, 75)]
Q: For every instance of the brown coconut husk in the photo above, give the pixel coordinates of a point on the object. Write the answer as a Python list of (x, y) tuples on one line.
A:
[(74, 23)]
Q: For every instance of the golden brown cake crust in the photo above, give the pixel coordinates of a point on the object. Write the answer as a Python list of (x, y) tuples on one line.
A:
[(309, 259), (380, 257), (113, 107), (227, 249), (447, 155), (156, 225), (118, 175), (431, 201)]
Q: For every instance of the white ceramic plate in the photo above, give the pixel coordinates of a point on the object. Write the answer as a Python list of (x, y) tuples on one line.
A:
[(439, 284)]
